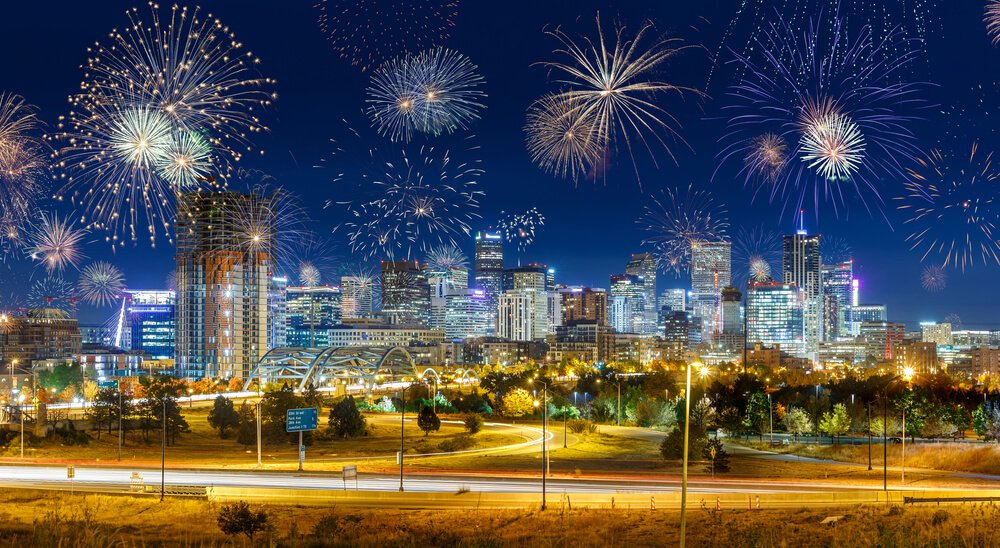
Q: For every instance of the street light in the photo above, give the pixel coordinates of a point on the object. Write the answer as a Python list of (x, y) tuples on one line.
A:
[(545, 417), (20, 411), (684, 468)]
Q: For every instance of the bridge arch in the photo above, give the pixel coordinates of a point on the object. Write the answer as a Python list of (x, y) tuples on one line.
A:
[(302, 366)]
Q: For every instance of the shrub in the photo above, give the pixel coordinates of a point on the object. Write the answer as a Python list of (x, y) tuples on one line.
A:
[(239, 519), (327, 527), (581, 426), (458, 443), (345, 419), (718, 463), (223, 416), (672, 446), (473, 423), (428, 420), (69, 435)]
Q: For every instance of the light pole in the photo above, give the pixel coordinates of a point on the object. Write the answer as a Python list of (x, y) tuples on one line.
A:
[(120, 413), (163, 449), (770, 417), (684, 467), (618, 414), (402, 413), (869, 435), (259, 463), (545, 416), (564, 426), (20, 411)]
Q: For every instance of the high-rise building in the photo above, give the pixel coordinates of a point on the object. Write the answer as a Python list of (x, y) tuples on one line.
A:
[(357, 296), (467, 314), (310, 313), (150, 323), (277, 321), (628, 299), (583, 305), (711, 270), (938, 333), (801, 266), (531, 276), (732, 311), (676, 334), (880, 338), (222, 285), (405, 294), (643, 266), (489, 268), (861, 313), (674, 299), (516, 315), (775, 316), (838, 292), (442, 284)]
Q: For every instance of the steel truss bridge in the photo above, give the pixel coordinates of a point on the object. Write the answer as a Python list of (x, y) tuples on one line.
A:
[(367, 365)]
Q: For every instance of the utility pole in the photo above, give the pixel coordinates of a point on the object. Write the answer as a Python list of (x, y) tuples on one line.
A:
[(902, 477), (869, 435), (121, 411), (163, 449), (885, 442), (259, 463), (402, 431)]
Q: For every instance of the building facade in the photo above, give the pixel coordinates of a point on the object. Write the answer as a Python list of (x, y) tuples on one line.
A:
[(801, 266), (775, 316), (489, 269), (405, 294), (711, 270), (643, 267)]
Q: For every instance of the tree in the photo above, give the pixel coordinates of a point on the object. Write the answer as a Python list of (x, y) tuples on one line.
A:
[(239, 519), (346, 420), (835, 423), (758, 415), (428, 420), (473, 423), (223, 416), (246, 432), (986, 420), (103, 409), (61, 377), (672, 446), (89, 390), (161, 393), (274, 413), (797, 422), (311, 397), (517, 403), (717, 462)]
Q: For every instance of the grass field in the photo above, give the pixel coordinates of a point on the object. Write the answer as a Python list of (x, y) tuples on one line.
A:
[(33, 518), (203, 447)]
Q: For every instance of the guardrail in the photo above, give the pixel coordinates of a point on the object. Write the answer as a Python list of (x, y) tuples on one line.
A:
[(939, 500), (178, 490)]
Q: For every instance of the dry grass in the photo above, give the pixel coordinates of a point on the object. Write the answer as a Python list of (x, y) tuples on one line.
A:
[(44, 519)]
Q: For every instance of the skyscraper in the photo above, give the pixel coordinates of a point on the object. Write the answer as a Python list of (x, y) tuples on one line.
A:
[(405, 294), (838, 286), (533, 276), (801, 266), (628, 299), (583, 305), (222, 285), (357, 296), (775, 316), (489, 268), (643, 266), (276, 312), (149, 320), (310, 313), (711, 270)]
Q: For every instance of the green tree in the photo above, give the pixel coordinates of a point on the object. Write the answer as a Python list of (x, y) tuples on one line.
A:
[(103, 410), (346, 420), (312, 396), (428, 420), (672, 446), (835, 423), (986, 420), (239, 519), (758, 414), (274, 408), (517, 403), (223, 416), (473, 423), (797, 422), (718, 462), (246, 432), (162, 392), (61, 377)]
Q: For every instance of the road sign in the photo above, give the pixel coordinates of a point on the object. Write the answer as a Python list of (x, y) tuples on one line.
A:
[(302, 420), (108, 384), (70, 471), (349, 472)]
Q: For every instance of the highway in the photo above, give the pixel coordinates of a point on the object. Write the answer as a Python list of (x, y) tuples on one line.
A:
[(114, 478)]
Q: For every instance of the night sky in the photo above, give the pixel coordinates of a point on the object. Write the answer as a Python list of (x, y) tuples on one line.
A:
[(590, 228)]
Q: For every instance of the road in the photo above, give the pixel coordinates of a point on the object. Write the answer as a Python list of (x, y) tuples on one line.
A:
[(113, 478)]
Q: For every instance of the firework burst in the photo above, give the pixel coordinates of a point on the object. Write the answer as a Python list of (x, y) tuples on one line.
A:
[(313, 258), (23, 169), (56, 243), (361, 287), (992, 20), (836, 99), (520, 229), (185, 161), (765, 157), (675, 221), (170, 281), (268, 220), (952, 205), (560, 139), (836, 250), (445, 257), (52, 292), (757, 254), (309, 275), (368, 33), (434, 92), (405, 201), (100, 284), (934, 278), (614, 87)]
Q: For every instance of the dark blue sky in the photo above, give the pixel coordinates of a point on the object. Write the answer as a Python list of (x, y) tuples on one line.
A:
[(589, 230)]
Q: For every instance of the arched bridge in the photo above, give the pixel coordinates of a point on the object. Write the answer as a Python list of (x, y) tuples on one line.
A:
[(302, 366)]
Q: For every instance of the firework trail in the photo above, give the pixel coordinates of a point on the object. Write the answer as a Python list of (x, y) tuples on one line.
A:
[(268, 219), (757, 255), (835, 99), (368, 33), (992, 20), (314, 259), (934, 278), (560, 139), (23, 170), (362, 287), (309, 275), (765, 158), (675, 221), (170, 281), (403, 201), (952, 204), (445, 257), (835, 250), (520, 229), (436, 91), (616, 89), (55, 243), (161, 107), (52, 292), (100, 284)]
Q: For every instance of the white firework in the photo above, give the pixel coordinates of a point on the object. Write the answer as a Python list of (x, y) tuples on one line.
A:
[(101, 283), (186, 160), (56, 243), (309, 275), (834, 146), (445, 257)]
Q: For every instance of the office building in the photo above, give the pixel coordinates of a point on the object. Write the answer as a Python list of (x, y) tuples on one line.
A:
[(938, 333), (222, 284), (628, 298), (150, 321), (643, 267), (532, 276), (879, 338), (467, 314), (277, 320), (311, 311), (673, 299), (442, 284), (583, 305), (489, 268), (838, 295), (357, 296), (711, 270), (516, 315), (915, 356), (405, 294), (866, 313), (985, 361), (42, 334), (801, 267), (775, 316)]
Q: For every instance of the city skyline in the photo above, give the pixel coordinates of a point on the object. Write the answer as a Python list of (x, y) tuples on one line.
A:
[(308, 114)]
